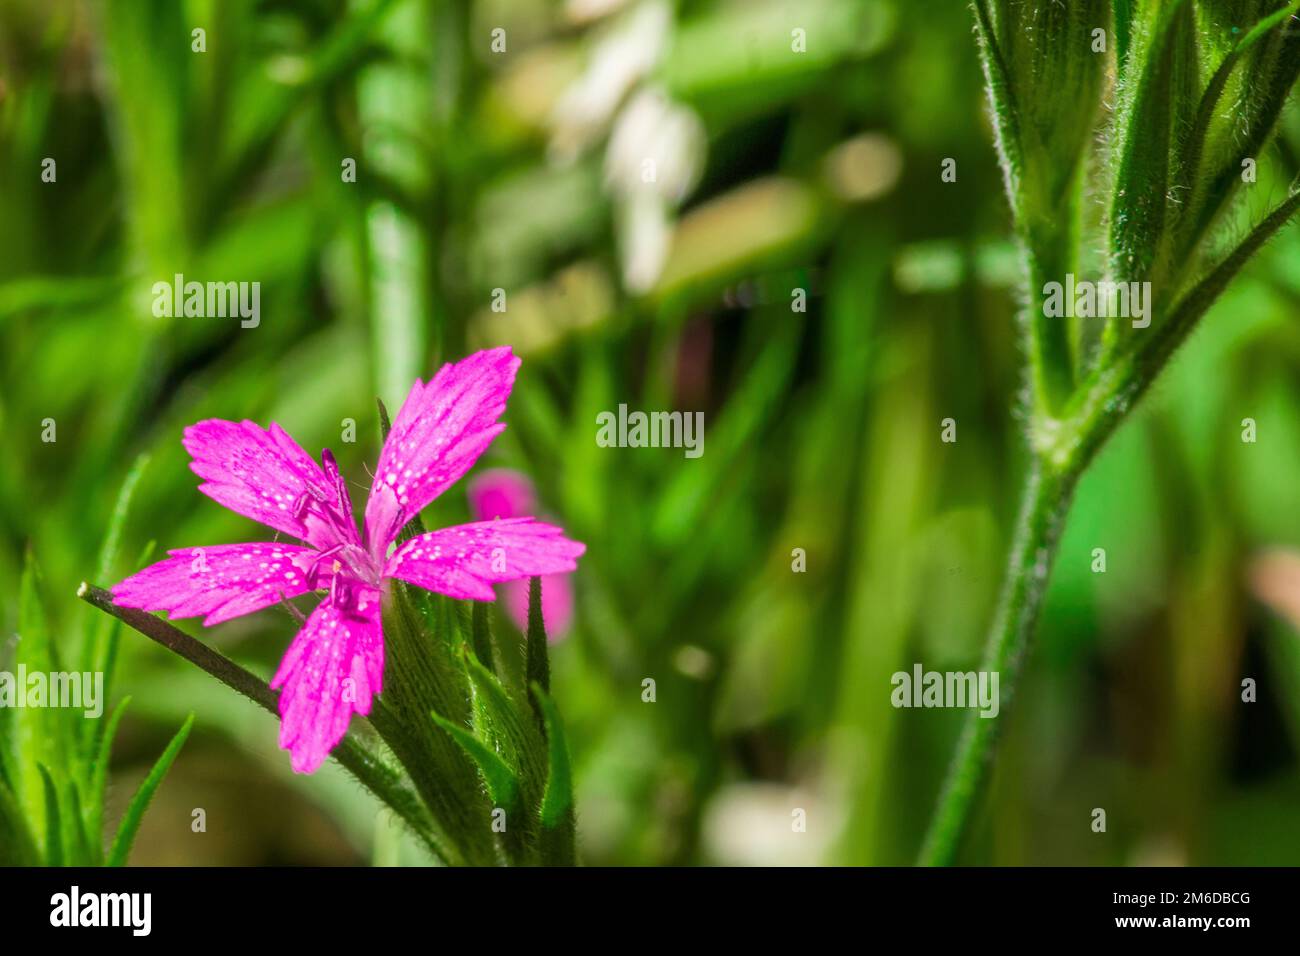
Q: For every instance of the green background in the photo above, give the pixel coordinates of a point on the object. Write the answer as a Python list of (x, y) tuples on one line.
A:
[(817, 170)]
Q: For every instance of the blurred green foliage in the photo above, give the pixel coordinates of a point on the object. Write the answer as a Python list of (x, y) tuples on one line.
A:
[(479, 171)]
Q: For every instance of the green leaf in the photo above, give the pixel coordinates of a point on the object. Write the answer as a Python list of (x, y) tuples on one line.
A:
[(997, 78), (1197, 302), (556, 814), (1044, 82), (53, 821), (17, 848), (706, 66), (130, 824), (502, 786), (502, 722), (508, 751), (94, 810), (686, 501), (1124, 16), (538, 667), (55, 293), (425, 672), (147, 94), (42, 735), (103, 633), (1210, 186), (1106, 399), (7, 774), (1140, 197), (1056, 79), (481, 635), (35, 647), (108, 551), (75, 839), (375, 773)]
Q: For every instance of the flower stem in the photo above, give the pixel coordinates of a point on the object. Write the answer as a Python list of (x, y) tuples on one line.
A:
[(379, 779), (1046, 499)]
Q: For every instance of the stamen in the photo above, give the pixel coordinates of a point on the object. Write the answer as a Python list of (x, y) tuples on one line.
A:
[(312, 576)]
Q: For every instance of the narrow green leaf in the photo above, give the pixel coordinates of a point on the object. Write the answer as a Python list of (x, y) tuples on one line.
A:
[(7, 774), (53, 820), (94, 810), (1140, 198), (147, 106), (506, 726), (481, 635), (75, 839), (997, 78), (99, 650), (425, 672), (34, 647), (1207, 193), (1112, 391), (10, 771), (117, 521), (56, 293), (556, 814), (17, 847), (538, 667), (502, 786), (130, 824), (686, 501), (461, 619), (42, 734), (1124, 14), (385, 782), (146, 553), (1195, 304)]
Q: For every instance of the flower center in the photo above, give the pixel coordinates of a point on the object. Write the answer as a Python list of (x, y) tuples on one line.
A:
[(345, 561), (352, 597)]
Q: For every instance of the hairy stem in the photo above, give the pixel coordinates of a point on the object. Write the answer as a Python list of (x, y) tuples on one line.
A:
[(1044, 504), (1048, 257), (1062, 450), (1070, 420), (379, 779)]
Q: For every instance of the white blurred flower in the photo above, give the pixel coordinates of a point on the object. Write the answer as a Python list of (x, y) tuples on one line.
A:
[(625, 52), (653, 161), (584, 11), (656, 146), (644, 231), (753, 824)]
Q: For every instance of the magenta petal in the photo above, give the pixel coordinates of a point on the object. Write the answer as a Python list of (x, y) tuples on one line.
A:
[(222, 581), (501, 493), (464, 561), (332, 669), (263, 474), (438, 434), (557, 604)]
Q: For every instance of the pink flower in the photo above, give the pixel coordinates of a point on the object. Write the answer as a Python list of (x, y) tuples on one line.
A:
[(502, 493), (335, 665)]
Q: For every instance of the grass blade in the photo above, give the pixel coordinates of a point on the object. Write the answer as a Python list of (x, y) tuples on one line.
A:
[(373, 773), (481, 635), (94, 814), (538, 668), (130, 824), (558, 831), (17, 848), (53, 821)]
